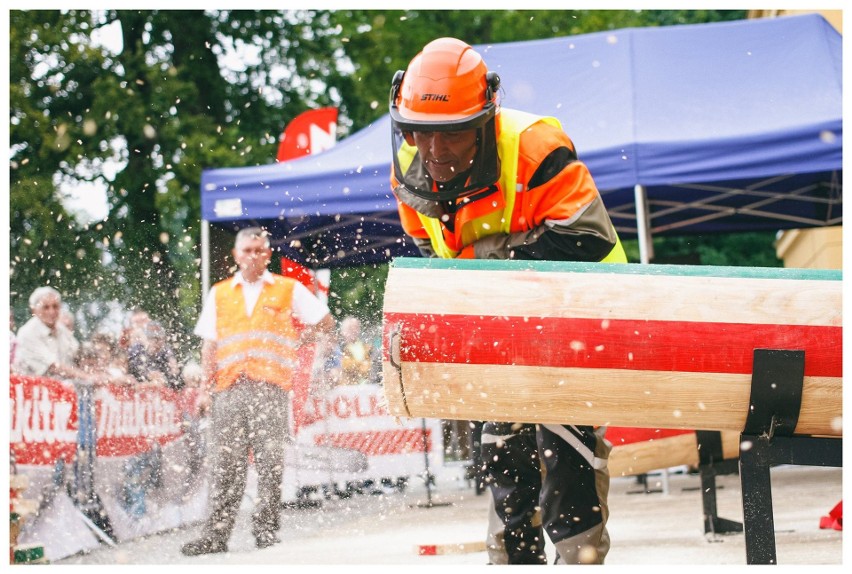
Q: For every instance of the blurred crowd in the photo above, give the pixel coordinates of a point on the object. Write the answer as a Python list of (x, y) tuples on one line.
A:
[(143, 353), (356, 359)]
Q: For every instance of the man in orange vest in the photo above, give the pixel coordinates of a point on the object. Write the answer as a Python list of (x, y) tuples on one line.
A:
[(474, 180), (249, 357)]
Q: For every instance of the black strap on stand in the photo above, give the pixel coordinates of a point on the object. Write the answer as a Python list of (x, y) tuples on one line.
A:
[(767, 439), (711, 463)]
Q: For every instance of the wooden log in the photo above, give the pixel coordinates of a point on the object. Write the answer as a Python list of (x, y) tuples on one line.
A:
[(647, 455), (658, 346)]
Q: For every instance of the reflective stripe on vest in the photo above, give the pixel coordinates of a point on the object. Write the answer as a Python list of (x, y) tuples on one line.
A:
[(261, 347)]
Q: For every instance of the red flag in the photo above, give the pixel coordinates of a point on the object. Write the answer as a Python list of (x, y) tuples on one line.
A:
[(299, 272), (309, 132), (316, 280)]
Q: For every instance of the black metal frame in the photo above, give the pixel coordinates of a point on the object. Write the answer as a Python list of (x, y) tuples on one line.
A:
[(767, 439), (82, 489), (711, 463)]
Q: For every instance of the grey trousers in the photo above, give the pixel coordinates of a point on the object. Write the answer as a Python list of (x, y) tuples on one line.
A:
[(248, 416)]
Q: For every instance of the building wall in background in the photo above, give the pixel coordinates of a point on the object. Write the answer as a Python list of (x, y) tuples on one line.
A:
[(817, 248)]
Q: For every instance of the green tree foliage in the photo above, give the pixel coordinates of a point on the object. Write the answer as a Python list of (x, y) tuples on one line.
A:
[(358, 291), (47, 245), (750, 249), (140, 123)]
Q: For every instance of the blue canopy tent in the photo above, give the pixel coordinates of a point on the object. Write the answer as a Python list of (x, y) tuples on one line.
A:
[(706, 128)]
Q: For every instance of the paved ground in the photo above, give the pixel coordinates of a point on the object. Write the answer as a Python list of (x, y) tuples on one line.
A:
[(660, 528)]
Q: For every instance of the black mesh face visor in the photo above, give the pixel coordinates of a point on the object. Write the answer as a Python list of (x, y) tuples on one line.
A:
[(484, 171)]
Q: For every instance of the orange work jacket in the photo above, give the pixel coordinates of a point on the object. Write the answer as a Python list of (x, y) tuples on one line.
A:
[(563, 200)]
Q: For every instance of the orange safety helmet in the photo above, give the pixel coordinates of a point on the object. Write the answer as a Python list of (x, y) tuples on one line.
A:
[(447, 87)]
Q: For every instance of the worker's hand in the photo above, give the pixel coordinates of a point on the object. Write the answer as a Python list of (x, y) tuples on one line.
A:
[(497, 246)]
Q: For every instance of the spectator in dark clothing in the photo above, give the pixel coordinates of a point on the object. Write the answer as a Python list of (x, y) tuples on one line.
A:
[(153, 360), (134, 328)]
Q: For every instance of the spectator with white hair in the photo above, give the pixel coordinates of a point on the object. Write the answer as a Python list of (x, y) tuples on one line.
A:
[(45, 347)]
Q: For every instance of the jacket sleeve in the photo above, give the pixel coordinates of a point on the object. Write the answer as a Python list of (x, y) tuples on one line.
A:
[(413, 227), (559, 215)]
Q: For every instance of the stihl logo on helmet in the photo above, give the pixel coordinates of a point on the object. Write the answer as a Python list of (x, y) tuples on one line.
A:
[(435, 98)]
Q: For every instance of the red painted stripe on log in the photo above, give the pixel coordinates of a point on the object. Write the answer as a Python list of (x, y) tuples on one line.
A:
[(620, 436), (696, 347)]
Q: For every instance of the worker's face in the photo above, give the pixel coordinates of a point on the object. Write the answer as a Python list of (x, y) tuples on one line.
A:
[(47, 310), (446, 154), (252, 255)]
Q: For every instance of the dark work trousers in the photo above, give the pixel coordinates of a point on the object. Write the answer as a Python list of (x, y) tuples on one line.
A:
[(247, 415), (546, 478)]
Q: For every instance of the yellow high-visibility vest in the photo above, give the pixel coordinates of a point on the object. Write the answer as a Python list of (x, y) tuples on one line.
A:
[(261, 347)]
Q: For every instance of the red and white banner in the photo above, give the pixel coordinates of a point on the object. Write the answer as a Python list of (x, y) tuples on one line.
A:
[(44, 420), (44, 415), (149, 470), (308, 133), (128, 418), (347, 434)]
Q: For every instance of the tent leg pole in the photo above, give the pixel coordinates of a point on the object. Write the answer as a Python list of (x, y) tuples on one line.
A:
[(205, 257), (643, 225)]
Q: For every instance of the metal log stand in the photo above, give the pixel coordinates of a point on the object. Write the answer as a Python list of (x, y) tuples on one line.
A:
[(711, 463), (83, 493), (767, 439), (427, 474)]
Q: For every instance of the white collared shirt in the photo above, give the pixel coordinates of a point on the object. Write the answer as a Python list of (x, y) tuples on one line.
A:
[(39, 347), (307, 308)]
